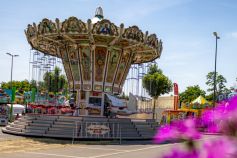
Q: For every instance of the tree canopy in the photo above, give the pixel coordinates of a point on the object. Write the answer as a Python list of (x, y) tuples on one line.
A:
[(52, 82), (191, 93), (156, 83), (220, 82), (21, 86)]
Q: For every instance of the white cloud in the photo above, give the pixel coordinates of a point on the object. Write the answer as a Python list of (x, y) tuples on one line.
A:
[(234, 35), (231, 35), (140, 8)]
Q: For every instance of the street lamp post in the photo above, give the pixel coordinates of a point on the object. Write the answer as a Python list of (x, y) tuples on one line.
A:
[(214, 95), (11, 109)]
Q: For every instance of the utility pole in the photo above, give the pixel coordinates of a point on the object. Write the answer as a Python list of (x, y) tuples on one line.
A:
[(11, 109)]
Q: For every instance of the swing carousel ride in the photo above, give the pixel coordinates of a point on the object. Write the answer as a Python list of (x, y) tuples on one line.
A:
[(96, 55)]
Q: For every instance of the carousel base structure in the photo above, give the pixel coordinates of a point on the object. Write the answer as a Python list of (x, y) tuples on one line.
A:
[(82, 128)]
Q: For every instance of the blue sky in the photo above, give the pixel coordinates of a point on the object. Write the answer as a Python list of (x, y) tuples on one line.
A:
[(185, 26)]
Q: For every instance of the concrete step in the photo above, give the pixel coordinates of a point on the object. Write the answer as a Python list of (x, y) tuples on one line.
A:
[(151, 133), (43, 121), (46, 119), (126, 126), (99, 120), (148, 136), (63, 126), (62, 129), (29, 117), (31, 131), (13, 129), (142, 125), (39, 124), (23, 120), (68, 133), (69, 118), (36, 127), (145, 129), (129, 134), (119, 120), (17, 125), (68, 121), (57, 135), (64, 122), (154, 124), (127, 130)]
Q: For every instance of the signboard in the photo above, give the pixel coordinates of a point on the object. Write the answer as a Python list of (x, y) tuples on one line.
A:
[(176, 89), (224, 97), (97, 129)]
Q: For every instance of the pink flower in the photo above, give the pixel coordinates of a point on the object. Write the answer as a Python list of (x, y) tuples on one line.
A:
[(184, 129), (222, 148), (165, 133), (221, 117)]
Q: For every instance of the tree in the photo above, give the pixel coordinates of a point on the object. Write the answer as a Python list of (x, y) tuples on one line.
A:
[(5, 85), (54, 81), (220, 83), (21, 86), (191, 93), (33, 84), (156, 84)]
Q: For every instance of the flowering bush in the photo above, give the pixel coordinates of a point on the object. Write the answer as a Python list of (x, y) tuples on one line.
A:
[(184, 129), (221, 119)]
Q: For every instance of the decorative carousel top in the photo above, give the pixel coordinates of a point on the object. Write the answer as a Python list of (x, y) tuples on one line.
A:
[(96, 55), (52, 37)]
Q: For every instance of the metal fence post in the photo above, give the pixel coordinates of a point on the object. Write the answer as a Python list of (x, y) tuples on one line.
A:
[(85, 129), (73, 133), (81, 130), (120, 135)]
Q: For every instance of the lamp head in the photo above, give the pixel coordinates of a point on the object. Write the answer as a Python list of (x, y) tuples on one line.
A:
[(9, 54), (215, 34)]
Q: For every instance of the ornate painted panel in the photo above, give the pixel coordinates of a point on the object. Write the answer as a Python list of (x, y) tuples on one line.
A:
[(86, 67), (125, 73), (122, 67), (100, 57), (86, 64), (112, 65), (100, 60), (74, 60), (66, 65)]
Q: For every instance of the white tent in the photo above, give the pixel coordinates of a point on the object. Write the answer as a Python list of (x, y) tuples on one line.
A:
[(115, 101), (200, 100), (17, 108), (119, 106)]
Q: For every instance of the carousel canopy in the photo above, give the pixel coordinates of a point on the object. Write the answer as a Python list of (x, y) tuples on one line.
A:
[(96, 54)]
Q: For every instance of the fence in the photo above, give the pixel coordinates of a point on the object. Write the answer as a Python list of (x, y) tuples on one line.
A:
[(97, 130)]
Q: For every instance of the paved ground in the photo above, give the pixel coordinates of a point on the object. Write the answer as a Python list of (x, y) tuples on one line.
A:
[(4, 137), (20, 147)]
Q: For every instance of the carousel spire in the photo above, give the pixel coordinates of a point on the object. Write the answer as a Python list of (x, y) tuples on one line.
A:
[(98, 15)]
